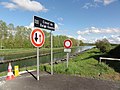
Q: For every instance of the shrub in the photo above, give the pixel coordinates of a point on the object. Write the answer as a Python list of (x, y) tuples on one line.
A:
[(103, 45)]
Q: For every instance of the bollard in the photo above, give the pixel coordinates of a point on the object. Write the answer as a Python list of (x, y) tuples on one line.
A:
[(16, 69)]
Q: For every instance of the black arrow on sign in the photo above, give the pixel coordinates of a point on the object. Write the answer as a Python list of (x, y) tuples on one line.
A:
[(36, 38)]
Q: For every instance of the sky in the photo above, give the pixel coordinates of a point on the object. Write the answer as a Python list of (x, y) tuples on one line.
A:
[(86, 20)]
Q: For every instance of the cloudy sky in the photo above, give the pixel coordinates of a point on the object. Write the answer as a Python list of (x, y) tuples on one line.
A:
[(86, 20)]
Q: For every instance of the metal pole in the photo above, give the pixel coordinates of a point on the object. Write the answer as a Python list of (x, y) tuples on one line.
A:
[(100, 60), (1, 43), (51, 54), (67, 59), (37, 63)]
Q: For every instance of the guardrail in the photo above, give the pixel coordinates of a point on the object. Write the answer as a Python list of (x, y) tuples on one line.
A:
[(112, 59)]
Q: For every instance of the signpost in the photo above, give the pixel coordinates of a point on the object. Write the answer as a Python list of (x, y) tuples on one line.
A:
[(49, 25), (37, 38), (67, 45)]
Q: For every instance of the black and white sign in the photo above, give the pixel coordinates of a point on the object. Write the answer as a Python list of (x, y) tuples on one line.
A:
[(43, 23)]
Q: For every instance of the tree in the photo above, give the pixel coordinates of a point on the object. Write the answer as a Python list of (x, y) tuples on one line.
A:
[(19, 37), (10, 40), (103, 45), (81, 43), (3, 32)]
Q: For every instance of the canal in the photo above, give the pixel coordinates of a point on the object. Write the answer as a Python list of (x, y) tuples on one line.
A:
[(43, 59)]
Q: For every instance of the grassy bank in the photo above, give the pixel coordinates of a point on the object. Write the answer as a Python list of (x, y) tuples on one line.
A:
[(4, 52), (86, 65)]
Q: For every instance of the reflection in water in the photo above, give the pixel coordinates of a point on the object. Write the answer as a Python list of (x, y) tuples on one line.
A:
[(1, 58), (83, 48)]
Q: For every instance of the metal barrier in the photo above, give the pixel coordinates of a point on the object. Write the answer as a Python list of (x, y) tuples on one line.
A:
[(112, 59)]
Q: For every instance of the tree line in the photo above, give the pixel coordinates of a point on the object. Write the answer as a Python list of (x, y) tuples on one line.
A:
[(19, 37)]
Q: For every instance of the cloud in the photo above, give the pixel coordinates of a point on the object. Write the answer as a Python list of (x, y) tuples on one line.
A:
[(111, 34), (81, 38), (30, 26), (115, 39), (83, 32), (105, 2), (60, 19), (91, 41), (56, 27), (96, 3), (89, 5), (30, 5), (60, 24), (70, 36), (94, 30), (9, 5)]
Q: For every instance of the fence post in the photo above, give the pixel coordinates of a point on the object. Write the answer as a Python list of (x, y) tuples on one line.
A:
[(100, 60)]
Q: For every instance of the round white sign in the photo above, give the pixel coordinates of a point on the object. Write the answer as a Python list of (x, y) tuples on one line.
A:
[(67, 43)]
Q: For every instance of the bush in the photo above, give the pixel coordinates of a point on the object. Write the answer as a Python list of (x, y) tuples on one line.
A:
[(103, 45)]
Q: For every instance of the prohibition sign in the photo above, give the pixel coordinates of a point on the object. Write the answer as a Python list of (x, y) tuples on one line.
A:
[(67, 43), (37, 37)]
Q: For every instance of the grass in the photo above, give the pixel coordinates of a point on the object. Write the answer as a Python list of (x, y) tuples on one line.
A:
[(86, 65), (4, 52)]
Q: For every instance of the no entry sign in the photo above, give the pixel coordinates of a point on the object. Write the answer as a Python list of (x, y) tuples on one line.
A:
[(37, 37), (67, 43)]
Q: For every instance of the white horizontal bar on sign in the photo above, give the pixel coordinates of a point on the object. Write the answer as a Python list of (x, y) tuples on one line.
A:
[(110, 58), (67, 50)]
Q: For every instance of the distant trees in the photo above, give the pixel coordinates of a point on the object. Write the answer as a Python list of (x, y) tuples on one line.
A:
[(103, 45), (59, 40), (19, 37), (81, 43)]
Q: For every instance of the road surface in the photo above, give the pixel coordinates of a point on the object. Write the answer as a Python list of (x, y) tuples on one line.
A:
[(56, 82)]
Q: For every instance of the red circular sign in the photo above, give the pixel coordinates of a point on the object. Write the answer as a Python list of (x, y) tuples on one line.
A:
[(37, 37), (67, 43)]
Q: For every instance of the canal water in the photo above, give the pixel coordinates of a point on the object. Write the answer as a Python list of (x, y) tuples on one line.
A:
[(43, 59)]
